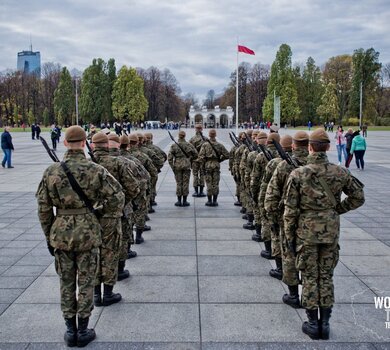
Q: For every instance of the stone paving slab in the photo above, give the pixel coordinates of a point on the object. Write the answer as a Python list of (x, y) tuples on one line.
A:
[(198, 281)]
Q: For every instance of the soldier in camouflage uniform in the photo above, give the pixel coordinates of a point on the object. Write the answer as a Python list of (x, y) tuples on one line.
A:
[(236, 167), (197, 166), (246, 165), (232, 169), (148, 137), (286, 144), (73, 234), (274, 207), (180, 157), (212, 153), (141, 202), (312, 211), (256, 179), (158, 162), (244, 194), (111, 226), (261, 139)]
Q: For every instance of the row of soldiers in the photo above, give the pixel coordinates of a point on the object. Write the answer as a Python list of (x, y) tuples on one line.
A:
[(203, 155), (294, 204), (87, 211)]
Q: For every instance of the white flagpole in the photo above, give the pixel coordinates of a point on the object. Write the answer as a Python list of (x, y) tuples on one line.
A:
[(237, 91)]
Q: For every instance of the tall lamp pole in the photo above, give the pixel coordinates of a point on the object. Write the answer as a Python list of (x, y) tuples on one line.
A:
[(77, 103), (361, 105)]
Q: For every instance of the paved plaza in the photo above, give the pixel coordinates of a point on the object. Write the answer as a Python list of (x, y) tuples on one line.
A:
[(198, 281)]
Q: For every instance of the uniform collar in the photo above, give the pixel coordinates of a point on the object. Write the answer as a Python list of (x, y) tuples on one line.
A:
[(74, 154), (114, 152), (317, 158)]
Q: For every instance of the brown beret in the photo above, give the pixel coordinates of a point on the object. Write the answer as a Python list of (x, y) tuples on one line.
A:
[(113, 137), (182, 134), (249, 132), (286, 141), (105, 131), (301, 136), (100, 138), (261, 135), (274, 136), (75, 133), (240, 134), (319, 136), (255, 132), (133, 138), (148, 135), (124, 140), (198, 126), (273, 128), (212, 133), (140, 136)]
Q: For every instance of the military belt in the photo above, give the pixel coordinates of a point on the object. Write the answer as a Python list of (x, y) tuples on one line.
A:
[(78, 211)]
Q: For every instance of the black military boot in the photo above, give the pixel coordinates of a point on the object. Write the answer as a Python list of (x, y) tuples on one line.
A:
[(267, 253), (324, 322), (122, 273), (278, 272), (151, 209), (244, 217), (185, 203), (97, 295), (138, 235), (311, 327), (243, 210), (196, 193), (178, 203), (201, 193), (292, 299), (70, 335), (109, 297), (209, 202), (147, 218), (237, 203), (146, 228), (257, 236), (130, 253), (249, 225), (84, 335), (153, 202)]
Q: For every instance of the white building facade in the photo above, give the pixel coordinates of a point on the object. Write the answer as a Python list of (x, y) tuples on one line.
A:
[(211, 118)]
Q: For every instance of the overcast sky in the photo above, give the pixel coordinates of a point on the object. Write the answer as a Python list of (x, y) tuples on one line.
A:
[(195, 39)]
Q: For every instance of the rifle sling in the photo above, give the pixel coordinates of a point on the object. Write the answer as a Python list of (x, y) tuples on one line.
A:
[(327, 190), (76, 187)]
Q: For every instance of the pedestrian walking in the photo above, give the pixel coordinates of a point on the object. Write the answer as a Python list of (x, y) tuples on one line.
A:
[(358, 148), (341, 144), (7, 147)]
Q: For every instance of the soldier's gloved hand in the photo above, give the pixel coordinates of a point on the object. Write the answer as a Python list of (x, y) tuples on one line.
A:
[(50, 248), (275, 228), (292, 246)]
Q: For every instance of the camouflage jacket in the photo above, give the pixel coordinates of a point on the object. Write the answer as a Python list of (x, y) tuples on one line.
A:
[(141, 173), (145, 160), (309, 212), (237, 159), (177, 159), (258, 171), (197, 141), (250, 160), (276, 188), (231, 159), (242, 165), (210, 157), (156, 158), (120, 168), (157, 150), (79, 232), (268, 172)]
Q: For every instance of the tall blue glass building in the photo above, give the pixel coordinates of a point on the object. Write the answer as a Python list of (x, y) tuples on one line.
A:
[(29, 62)]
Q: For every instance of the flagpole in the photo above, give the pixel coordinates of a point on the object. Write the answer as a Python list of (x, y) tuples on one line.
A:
[(237, 91)]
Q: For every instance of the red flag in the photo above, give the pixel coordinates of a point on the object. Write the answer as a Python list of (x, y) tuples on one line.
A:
[(246, 50)]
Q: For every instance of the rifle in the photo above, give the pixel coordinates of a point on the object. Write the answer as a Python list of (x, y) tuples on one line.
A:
[(181, 149), (284, 155), (212, 146), (266, 152), (235, 143), (90, 151), (52, 154), (249, 143)]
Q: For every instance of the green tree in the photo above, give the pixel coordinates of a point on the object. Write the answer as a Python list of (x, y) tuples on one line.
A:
[(328, 110), (366, 70), (128, 99), (64, 99), (45, 117), (95, 95), (282, 83)]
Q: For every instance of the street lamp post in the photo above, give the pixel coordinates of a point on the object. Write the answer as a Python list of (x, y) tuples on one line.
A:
[(361, 105), (77, 104)]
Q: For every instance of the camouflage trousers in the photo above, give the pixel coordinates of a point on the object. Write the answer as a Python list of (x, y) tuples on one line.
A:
[(77, 271), (140, 210), (316, 263), (127, 238), (182, 177), (290, 272), (198, 174), (265, 225), (275, 242), (212, 178), (107, 271), (153, 187)]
